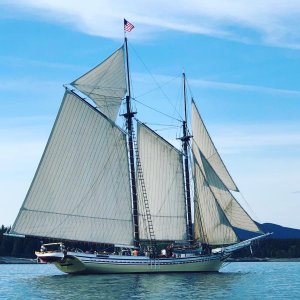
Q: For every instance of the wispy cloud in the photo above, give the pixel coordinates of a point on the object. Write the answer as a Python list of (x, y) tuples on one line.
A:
[(166, 80), (242, 136), (270, 22), (242, 87), (237, 138), (20, 62), (27, 84)]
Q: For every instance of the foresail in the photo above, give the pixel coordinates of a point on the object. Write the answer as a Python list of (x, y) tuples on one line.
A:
[(236, 215), (163, 177), (211, 224), (81, 188), (105, 84), (202, 140)]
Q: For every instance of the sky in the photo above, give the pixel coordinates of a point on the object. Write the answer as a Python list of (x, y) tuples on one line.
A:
[(241, 59)]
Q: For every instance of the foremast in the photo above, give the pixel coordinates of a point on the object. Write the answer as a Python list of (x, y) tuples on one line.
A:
[(129, 124), (185, 144)]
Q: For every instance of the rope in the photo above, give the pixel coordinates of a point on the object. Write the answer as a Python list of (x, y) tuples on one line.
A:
[(155, 81), (166, 115)]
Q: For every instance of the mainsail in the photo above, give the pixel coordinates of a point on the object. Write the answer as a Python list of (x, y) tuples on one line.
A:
[(81, 188), (105, 84), (203, 141), (163, 177)]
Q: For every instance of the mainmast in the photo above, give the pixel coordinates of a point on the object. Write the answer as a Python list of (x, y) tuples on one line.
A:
[(129, 115), (185, 143)]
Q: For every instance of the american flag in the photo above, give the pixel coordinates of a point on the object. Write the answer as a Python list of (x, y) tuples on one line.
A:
[(127, 26)]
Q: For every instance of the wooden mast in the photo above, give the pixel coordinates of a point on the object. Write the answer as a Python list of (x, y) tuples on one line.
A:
[(129, 115), (185, 143)]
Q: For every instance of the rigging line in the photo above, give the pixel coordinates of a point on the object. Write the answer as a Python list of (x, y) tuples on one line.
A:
[(87, 196), (189, 88), (155, 89), (198, 218), (166, 115), (153, 78), (253, 213), (164, 197), (105, 72), (167, 125), (190, 101), (234, 200), (163, 129), (80, 201), (213, 193), (209, 157), (75, 215)]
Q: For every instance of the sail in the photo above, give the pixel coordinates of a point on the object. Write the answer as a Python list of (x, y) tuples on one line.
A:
[(203, 141), (211, 224), (236, 215), (162, 169), (105, 84), (81, 188)]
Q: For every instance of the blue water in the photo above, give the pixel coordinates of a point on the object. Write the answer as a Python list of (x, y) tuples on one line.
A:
[(271, 280)]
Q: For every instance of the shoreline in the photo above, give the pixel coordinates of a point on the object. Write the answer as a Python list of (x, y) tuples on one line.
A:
[(16, 260)]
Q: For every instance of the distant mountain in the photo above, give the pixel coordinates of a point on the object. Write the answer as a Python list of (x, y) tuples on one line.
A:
[(279, 232)]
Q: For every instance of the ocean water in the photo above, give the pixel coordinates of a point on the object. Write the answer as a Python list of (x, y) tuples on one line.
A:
[(268, 280)]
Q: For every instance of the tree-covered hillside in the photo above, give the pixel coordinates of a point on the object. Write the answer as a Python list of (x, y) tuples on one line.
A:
[(271, 247)]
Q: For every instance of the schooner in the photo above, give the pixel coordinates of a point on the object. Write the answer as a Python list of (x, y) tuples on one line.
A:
[(99, 183)]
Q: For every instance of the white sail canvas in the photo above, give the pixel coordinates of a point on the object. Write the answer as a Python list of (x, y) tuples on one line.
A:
[(163, 177), (84, 189), (105, 84), (203, 141), (211, 223), (236, 215), (81, 188)]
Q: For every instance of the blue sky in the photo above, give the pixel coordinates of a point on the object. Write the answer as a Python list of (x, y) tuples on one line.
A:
[(241, 58)]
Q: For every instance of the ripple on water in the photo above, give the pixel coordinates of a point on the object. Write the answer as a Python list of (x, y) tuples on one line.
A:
[(238, 280)]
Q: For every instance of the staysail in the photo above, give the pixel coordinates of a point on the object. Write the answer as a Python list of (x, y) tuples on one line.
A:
[(216, 178), (202, 140), (81, 188), (236, 215), (211, 224), (105, 84), (163, 177)]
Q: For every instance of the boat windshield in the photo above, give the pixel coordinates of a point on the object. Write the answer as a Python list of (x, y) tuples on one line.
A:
[(53, 247)]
